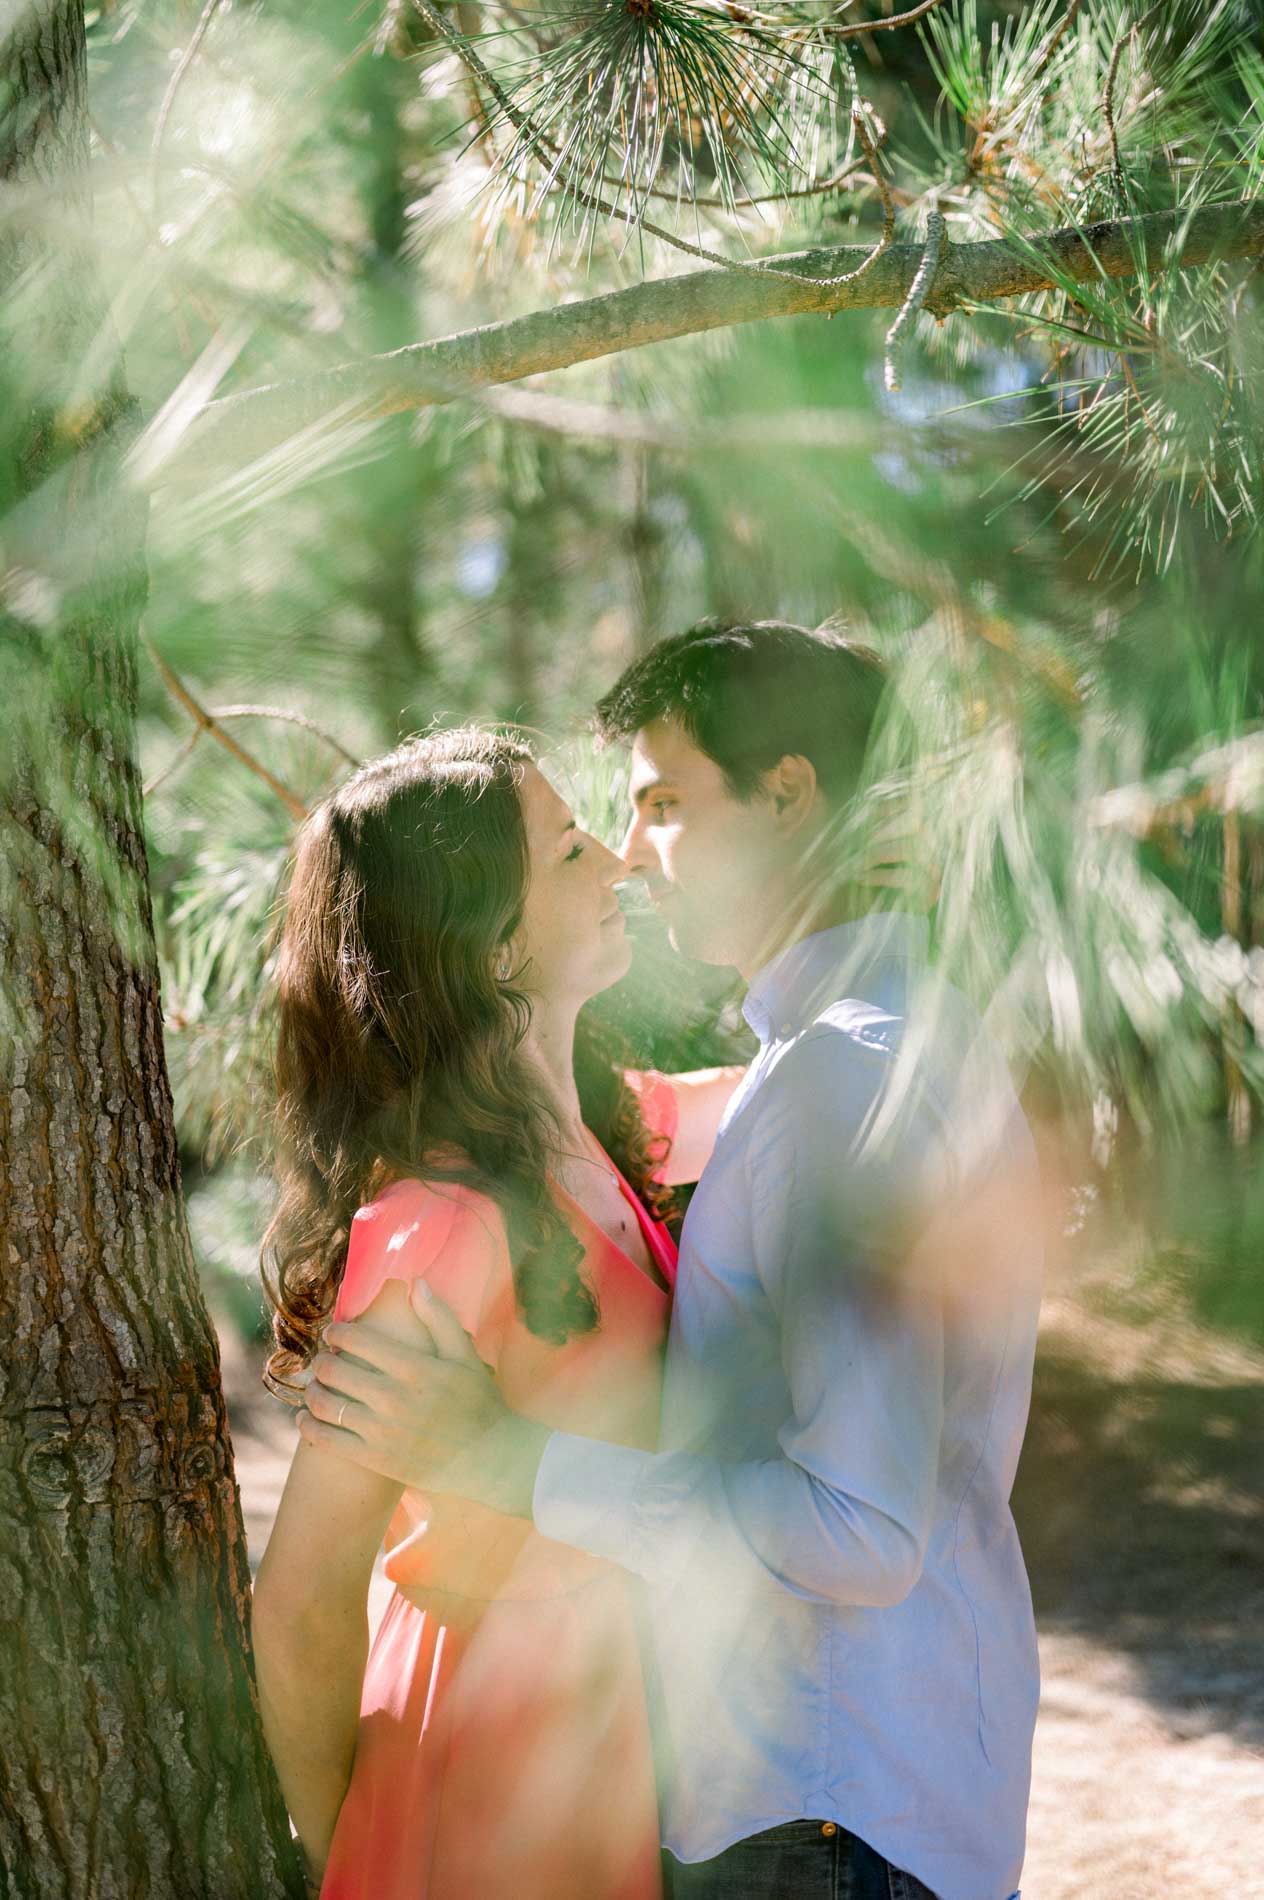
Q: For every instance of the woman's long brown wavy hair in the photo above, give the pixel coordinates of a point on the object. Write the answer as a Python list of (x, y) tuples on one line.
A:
[(398, 1050)]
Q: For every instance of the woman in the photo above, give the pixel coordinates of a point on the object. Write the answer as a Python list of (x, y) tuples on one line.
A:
[(445, 925)]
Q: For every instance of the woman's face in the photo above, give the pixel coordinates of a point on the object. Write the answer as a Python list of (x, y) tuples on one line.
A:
[(571, 942)]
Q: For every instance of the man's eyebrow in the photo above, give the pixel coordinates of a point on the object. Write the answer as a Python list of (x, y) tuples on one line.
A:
[(642, 792)]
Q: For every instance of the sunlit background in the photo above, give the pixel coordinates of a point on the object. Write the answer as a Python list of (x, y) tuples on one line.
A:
[(1045, 514)]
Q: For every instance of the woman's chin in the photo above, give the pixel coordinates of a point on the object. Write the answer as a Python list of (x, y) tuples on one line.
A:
[(615, 959)]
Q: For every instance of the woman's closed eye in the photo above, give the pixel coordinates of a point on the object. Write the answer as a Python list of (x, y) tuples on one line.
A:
[(575, 851)]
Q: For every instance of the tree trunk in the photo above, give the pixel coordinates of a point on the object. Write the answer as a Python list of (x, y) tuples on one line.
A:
[(133, 1760)]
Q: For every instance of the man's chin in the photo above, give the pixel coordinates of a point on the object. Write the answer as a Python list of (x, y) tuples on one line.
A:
[(694, 944)]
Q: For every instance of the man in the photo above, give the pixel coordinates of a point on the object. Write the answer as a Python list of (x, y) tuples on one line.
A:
[(846, 1677)]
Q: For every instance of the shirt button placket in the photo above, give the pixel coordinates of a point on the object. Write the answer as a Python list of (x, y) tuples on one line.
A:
[(839, 1882)]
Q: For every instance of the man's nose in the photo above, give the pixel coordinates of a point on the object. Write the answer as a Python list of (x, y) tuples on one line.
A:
[(634, 850)]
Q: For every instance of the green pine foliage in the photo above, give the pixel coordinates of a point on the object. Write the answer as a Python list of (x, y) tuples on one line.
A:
[(1050, 527)]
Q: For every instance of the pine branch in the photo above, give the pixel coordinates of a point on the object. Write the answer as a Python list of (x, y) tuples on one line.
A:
[(540, 146), (207, 722), (1226, 779), (210, 718), (425, 374), (1127, 30), (287, 717), (1055, 38), (185, 61), (919, 290), (1108, 101), (860, 27)]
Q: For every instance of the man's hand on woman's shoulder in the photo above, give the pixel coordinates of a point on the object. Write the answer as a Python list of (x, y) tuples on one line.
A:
[(403, 1392)]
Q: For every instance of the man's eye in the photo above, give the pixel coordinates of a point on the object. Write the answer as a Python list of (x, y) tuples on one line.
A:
[(575, 851), (659, 806)]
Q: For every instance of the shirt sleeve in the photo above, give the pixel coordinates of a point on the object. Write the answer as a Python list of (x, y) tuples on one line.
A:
[(844, 1513), (660, 1109)]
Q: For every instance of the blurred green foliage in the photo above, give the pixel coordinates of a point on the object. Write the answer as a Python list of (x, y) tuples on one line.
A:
[(1050, 529)]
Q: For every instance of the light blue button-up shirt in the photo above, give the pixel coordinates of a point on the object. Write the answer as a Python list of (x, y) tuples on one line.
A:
[(842, 1622)]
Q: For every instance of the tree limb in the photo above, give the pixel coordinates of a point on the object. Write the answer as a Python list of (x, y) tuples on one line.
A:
[(919, 290), (861, 27), (425, 374), (186, 59), (206, 722), (1108, 100)]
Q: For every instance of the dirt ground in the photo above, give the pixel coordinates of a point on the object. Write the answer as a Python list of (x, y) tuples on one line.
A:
[(1140, 1500)]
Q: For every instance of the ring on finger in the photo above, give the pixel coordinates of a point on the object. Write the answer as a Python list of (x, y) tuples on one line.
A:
[(341, 1409)]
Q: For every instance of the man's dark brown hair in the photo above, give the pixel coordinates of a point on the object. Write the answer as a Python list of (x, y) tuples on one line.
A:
[(747, 694)]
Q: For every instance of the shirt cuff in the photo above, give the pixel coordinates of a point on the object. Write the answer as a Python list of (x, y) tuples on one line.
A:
[(585, 1495)]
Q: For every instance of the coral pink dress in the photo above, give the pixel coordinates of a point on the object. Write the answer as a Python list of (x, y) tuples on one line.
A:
[(503, 1747)]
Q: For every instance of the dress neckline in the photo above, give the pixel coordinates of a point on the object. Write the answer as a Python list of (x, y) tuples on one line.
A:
[(661, 1285)]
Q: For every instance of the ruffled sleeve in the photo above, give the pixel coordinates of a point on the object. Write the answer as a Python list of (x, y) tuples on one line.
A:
[(452, 1236), (660, 1109), (449, 1553)]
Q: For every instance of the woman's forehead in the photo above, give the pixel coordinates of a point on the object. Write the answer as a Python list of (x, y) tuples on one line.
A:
[(542, 808)]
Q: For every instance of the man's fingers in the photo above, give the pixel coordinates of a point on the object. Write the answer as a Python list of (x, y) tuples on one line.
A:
[(339, 1372), (450, 1337), (400, 1358)]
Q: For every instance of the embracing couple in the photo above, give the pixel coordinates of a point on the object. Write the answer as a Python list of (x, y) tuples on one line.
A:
[(711, 1551)]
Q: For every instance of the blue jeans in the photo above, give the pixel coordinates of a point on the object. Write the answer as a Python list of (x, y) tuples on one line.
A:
[(800, 1860)]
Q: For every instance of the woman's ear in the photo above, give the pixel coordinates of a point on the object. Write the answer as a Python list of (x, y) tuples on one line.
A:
[(505, 960)]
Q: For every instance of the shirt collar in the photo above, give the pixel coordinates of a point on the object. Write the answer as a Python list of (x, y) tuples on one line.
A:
[(819, 969)]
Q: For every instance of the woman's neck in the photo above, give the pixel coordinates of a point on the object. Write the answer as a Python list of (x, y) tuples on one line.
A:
[(550, 1046)]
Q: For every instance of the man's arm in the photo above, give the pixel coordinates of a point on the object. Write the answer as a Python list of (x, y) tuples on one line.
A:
[(843, 1514), (419, 1406), (699, 1098)]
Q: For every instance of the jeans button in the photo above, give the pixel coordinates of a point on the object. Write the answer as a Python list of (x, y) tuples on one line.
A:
[(829, 1829)]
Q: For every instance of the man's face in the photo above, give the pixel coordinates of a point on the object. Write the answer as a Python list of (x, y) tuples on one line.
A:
[(710, 862)]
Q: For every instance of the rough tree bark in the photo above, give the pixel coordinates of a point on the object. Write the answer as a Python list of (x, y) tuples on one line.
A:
[(131, 1761)]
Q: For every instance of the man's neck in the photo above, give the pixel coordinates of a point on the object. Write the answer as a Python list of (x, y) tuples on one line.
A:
[(823, 915)]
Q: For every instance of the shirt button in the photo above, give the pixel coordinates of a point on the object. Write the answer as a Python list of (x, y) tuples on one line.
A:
[(829, 1829), (787, 1029)]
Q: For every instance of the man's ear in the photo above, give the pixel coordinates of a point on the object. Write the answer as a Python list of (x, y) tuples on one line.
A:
[(791, 788)]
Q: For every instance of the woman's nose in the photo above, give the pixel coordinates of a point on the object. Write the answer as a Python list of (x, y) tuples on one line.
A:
[(614, 870)]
